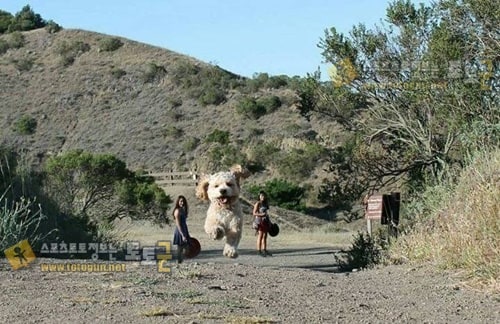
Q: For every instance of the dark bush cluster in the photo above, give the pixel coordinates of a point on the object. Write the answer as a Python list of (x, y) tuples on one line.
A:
[(110, 44), (255, 108), (212, 96), (25, 125), (153, 72), (69, 51), (218, 136), (282, 193)]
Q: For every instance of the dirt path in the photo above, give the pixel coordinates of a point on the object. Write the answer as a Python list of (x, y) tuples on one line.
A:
[(253, 290), (297, 284)]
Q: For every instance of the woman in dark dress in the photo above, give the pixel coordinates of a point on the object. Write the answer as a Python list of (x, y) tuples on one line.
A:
[(261, 223), (181, 233)]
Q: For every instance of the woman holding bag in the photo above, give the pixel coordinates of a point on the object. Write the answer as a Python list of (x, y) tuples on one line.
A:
[(262, 223)]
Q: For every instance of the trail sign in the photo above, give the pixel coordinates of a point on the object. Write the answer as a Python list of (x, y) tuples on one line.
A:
[(374, 207)]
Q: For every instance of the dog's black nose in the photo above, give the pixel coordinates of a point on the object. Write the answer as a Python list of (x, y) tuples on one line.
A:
[(223, 191)]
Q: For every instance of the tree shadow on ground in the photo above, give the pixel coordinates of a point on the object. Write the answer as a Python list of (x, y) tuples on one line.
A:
[(303, 258)]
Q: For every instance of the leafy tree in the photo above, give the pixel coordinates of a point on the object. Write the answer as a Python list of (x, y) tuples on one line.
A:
[(101, 188), (52, 27), (398, 89), (5, 21), (27, 210), (26, 19)]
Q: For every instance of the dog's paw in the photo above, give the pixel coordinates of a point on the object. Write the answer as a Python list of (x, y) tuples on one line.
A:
[(217, 233), (230, 252)]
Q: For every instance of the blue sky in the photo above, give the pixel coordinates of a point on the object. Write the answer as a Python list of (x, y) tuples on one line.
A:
[(242, 36)]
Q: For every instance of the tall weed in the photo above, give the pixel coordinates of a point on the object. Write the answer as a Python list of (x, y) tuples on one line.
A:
[(459, 224), (19, 221)]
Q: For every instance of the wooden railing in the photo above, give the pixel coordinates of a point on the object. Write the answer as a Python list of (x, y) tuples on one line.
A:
[(173, 178)]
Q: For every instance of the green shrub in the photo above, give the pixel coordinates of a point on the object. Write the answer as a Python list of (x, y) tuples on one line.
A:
[(191, 143), (266, 153), (277, 81), (142, 193), (4, 46), (24, 64), (270, 103), (365, 252), (224, 156), (299, 163), (174, 115), (253, 132), (211, 81), (16, 40), (212, 96), (67, 60), (257, 81), (52, 27), (109, 44), (21, 183), (25, 125), (173, 131), (117, 72), (282, 193), (185, 74), (295, 165), (218, 136), (112, 190), (153, 72), (292, 128), (263, 80), (250, 108), (174, 102), (69, 51), (219, 78)]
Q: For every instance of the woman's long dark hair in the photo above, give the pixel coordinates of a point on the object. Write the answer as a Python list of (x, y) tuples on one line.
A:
[(264, 202), (177, 206)]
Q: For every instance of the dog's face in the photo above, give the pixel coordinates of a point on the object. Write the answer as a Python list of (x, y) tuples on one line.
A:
[(222, 188)]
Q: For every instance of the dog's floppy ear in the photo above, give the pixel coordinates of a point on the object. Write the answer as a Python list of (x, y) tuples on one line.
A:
[(202, 187), (239, 172)]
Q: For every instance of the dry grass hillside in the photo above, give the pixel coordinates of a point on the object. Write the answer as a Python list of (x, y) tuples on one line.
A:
[(138, 102), (142, 104)]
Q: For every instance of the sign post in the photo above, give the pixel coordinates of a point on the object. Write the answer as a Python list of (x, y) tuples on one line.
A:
[(373, 210)]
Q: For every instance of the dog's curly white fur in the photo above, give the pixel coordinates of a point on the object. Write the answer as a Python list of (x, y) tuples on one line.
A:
[(224, 215)]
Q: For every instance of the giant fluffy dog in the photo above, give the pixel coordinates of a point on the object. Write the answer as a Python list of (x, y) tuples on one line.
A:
[(224, 216)]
